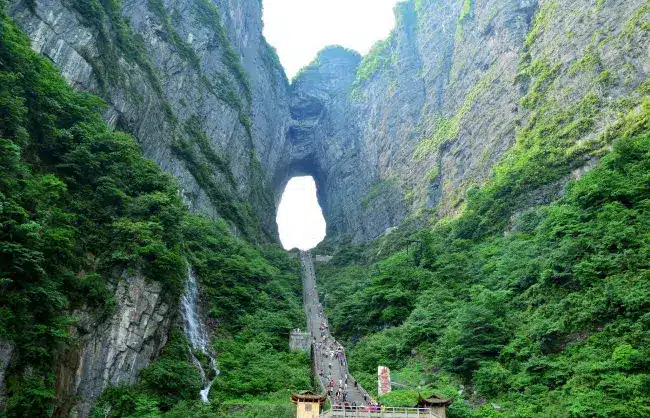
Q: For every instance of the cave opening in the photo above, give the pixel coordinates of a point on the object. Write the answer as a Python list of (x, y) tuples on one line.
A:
[(300, 218)]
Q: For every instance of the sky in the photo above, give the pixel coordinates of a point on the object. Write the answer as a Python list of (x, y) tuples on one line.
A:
[(298, 29), (300, 219)]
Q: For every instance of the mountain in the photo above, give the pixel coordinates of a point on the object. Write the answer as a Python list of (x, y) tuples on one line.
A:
[(432, 109), (406, 130), (195, 82), (471, 115)]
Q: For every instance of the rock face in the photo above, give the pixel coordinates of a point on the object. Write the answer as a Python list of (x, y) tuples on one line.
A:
[(113, 351), (403, 132), (193, 80), (6, 353), (433, 108)]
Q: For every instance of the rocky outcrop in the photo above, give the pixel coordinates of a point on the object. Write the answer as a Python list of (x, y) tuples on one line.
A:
[(194, 81), (324, 139), (433, 108), (115, 350)]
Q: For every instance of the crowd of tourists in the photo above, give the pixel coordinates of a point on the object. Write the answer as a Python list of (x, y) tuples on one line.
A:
[(330, 357)]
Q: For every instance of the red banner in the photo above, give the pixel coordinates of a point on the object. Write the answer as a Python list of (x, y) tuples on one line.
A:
[(383, 375)]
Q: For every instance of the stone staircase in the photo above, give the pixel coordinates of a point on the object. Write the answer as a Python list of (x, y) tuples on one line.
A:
[(357, 393)]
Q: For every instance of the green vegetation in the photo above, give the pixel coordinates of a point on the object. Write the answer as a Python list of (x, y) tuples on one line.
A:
[(212, 172), (465, 15), (80, 207), (378, 57), (542, 19), (331, 50), (543, 75), (165, 383), (202, 167), (418, 5), (254, 294), (378, 189), (590, 61), (208, 15), (433, 174), (448, 129), (638, 21), (556, 137), (541, 311), (112, 30), (550, 319), (78, 203), (114, 38), (182, 48), (271, 58), (198, 137), (547, 149), (405, 13), (466, 12)]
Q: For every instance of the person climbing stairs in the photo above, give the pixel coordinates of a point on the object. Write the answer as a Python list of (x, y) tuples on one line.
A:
[(329, 356)]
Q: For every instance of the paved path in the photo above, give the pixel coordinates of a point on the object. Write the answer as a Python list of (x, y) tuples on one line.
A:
[(323, 338)]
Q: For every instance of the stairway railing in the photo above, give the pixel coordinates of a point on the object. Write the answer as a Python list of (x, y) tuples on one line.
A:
[(361, 412)]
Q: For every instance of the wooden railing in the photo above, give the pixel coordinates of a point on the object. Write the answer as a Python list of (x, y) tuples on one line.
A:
[(360, 412)]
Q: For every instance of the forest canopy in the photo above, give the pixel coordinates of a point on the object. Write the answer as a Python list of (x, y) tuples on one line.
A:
[(549, 318)]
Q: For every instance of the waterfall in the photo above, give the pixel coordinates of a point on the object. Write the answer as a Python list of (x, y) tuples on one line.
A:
[(196, 332)]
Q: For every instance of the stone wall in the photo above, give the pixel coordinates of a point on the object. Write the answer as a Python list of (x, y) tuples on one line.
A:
[(300, 341)]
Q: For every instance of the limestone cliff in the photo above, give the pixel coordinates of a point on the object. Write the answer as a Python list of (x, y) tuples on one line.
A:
[(112, 351), (433, 108), (193, 80), (403, 132)]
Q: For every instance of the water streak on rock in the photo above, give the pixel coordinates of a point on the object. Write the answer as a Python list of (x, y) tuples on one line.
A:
[(197, 334)]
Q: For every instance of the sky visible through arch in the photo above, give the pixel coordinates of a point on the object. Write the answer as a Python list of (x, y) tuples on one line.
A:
[(300, 219), (298, 29)]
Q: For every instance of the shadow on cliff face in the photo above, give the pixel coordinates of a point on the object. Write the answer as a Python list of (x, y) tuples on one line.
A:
[(306, 107)]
